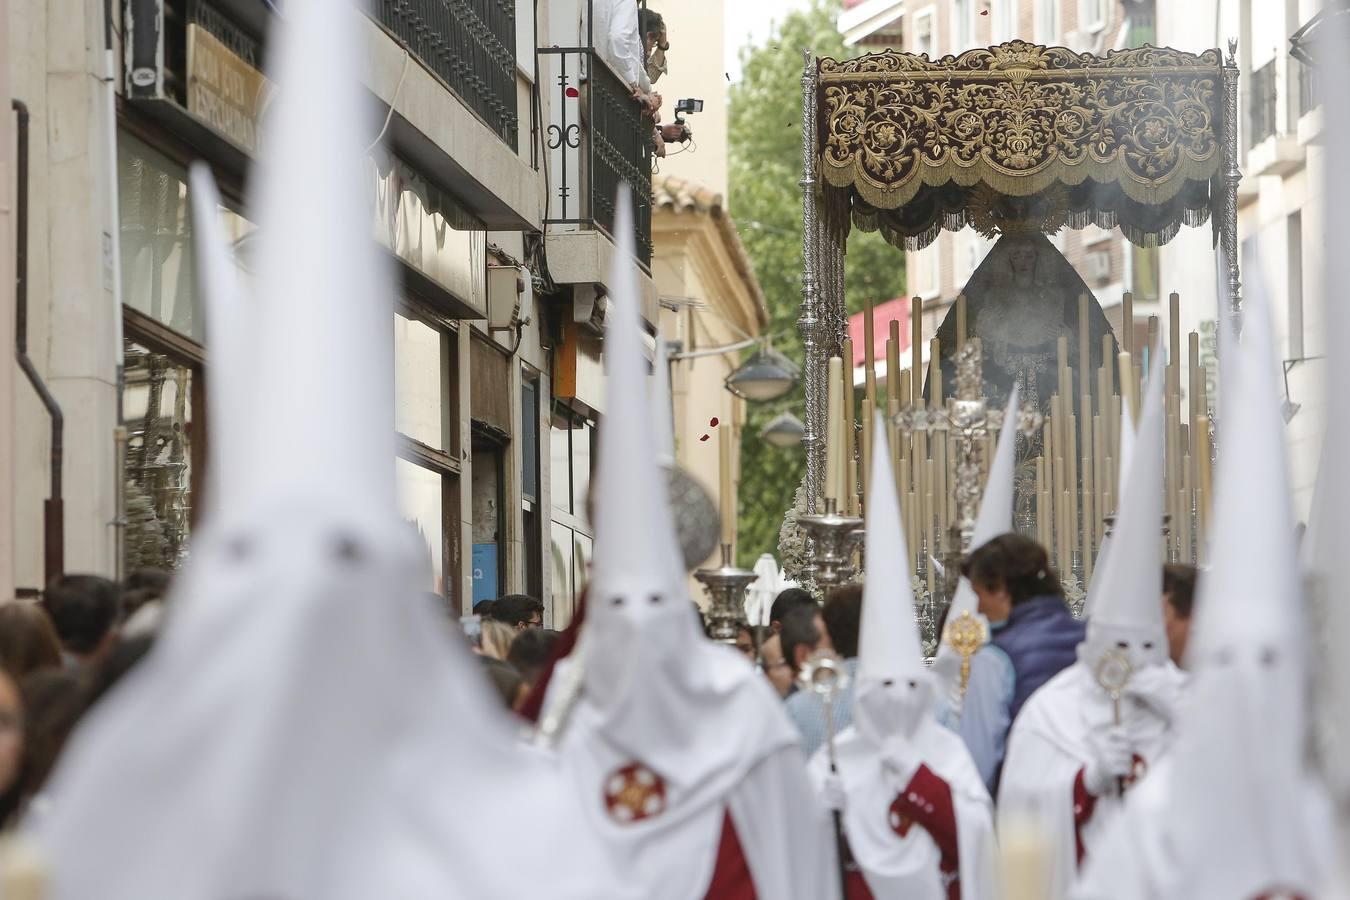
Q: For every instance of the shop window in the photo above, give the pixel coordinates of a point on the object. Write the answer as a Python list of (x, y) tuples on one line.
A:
[(427, 498), (155, 215), (572, 439), (426, 416), (160, 397), (422, 357)]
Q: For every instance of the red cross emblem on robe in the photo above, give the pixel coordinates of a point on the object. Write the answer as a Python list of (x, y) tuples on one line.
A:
[(633, 793)]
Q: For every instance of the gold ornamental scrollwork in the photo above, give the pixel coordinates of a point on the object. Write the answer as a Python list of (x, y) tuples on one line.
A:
[(1021, 117)]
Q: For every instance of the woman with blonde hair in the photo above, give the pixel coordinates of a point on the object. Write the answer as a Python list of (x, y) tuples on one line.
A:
[(497, 638)]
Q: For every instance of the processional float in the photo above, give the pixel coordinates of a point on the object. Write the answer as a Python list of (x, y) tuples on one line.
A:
[(1018, 141)]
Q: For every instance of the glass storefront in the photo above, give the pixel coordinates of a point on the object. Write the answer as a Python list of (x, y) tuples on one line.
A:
[(158, 276), (571, 440), (158, 406)]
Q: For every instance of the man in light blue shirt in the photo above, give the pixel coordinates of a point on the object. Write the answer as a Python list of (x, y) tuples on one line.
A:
[(837, 628), (1033, 636)]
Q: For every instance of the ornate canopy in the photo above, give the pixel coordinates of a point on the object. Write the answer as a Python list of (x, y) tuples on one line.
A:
[(1042, 136)]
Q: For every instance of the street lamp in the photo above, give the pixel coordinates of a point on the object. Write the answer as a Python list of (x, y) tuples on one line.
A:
[(786, 430), (766, 375)]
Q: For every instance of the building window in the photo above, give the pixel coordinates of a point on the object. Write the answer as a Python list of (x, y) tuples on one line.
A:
[(1295, 238), (425, 414), (1047, 21), (1004, 24), (155, 218), (924, 33), (925, 271), (428, 495), (161, 394), (1308, 94), (1092, 15), (571, 439), (963, 36)]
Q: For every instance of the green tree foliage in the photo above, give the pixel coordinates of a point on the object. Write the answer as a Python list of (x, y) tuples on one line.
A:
[(765, 166)]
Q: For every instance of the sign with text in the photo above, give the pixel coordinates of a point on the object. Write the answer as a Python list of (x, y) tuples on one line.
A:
[(224, 92)]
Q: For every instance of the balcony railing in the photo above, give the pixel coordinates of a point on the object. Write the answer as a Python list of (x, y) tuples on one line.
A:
[(470, 45), (598, 138), (1261, 114)]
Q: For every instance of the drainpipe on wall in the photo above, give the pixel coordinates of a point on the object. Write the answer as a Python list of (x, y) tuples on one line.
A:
[(53, 513)]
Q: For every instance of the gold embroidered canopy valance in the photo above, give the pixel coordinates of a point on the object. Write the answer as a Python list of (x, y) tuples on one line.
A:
[(1022, 133)]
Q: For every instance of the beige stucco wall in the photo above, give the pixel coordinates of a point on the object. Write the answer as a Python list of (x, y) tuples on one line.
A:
[(696, 70)]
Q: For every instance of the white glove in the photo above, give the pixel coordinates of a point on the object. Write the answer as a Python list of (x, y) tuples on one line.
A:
[(1156, 688), (832, 791), (1112, 759)]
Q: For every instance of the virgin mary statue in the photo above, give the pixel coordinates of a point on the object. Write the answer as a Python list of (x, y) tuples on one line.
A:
[(1019, 302)]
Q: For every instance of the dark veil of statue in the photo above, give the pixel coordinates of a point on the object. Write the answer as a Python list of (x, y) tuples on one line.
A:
[(1020, 300)]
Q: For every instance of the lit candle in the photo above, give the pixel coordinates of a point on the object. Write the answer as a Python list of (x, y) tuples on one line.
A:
[(850, 481), (1127, 322), (934, 373), (1084, 353), (1024, 856), (870, 356), (728, 490), (834, 431), (893, 365), (960, 322), (916, 348), (1127, 387), (867, 426)]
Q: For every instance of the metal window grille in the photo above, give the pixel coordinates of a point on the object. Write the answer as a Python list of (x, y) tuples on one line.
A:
[(468, 44), (1261, 114)]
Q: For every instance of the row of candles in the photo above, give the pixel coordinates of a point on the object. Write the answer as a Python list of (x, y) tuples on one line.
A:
[(1077, 473)]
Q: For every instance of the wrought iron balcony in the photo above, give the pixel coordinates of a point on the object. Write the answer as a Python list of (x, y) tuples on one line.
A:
[(1261, 112), (598, 138), (470, 45), (1308, 89)]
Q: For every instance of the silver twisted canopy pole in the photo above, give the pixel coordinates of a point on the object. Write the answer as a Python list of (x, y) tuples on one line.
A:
[(809, 322), (1232, 177)]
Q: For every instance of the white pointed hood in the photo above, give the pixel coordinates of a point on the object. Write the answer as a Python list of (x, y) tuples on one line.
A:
[(1329, 531), (271, 744), (659, 690), (1127, 608), (229, 326), (1241, 775), (894, 688), (995, 516)]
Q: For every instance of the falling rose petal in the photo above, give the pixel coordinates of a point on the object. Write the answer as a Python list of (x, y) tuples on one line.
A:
[(573, 92), (712, 423), (705, 437)]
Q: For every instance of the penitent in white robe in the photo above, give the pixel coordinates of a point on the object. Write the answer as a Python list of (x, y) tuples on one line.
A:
[(911, 866), (662, 810), (1042, 779)]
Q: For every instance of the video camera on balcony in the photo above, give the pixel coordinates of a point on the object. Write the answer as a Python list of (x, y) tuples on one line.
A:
[(687, 107)]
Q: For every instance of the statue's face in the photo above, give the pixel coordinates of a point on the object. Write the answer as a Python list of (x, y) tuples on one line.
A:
[(1022, 260)]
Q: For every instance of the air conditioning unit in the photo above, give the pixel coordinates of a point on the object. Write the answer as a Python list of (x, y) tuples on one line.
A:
[(589, 307), (507, 288), (1097, 265)]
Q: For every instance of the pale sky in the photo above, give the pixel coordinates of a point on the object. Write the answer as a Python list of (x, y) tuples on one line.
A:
[(750, 20)]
